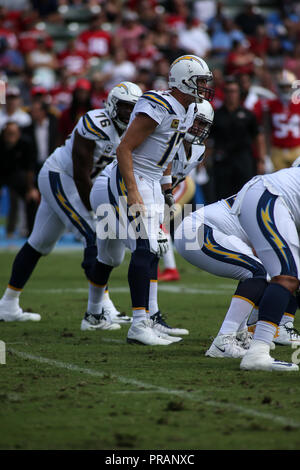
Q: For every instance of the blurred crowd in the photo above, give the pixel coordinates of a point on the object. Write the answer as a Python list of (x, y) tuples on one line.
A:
[(60, 58)]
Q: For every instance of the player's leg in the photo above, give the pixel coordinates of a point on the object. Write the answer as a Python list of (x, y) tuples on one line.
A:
[(47, 230), (159, 320), (272, 232), (225, 256)]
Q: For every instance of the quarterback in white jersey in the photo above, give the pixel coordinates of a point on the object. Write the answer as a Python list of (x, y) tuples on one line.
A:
[(268, 210), (187, 159), (65, 181), (157, 127)]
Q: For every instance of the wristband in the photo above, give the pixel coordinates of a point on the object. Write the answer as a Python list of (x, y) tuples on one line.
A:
[(166, 179)]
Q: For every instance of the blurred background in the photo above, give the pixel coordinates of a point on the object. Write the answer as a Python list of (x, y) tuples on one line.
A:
[(59, 59)]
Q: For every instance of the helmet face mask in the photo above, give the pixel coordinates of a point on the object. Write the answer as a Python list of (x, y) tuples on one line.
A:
[(121, 101), (190, 75), (200, 129)]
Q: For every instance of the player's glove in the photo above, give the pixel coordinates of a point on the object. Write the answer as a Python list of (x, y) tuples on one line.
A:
[(170, 200), (163, 244)]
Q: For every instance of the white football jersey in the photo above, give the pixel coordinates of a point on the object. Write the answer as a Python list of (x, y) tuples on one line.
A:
[(94, 125), (151, 158), (182, 166), (285, 183), (219, 216)]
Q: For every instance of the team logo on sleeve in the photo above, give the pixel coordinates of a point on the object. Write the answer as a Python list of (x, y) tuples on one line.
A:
[(175, 124)]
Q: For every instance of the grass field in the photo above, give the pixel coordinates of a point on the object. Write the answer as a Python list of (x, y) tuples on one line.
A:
[(62, 388)]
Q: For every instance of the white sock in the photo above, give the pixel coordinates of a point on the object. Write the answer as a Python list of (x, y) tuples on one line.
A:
[(139, 314), (169, 258), (265, 331), (236, 315), (153, 305), (96, 294), (287, 317), (11, 295)]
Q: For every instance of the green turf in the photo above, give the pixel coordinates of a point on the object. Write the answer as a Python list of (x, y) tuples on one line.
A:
[(134, 397)]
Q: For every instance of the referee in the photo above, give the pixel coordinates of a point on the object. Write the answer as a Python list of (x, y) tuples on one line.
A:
[(234, 136)]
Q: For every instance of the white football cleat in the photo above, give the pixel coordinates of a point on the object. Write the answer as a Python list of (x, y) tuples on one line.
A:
[(115, 315), (226, 346), (287, 335), (244, 338), (142, 333), (98, 322), (172, 339), (258, 358), (11, 311), (158, 322)]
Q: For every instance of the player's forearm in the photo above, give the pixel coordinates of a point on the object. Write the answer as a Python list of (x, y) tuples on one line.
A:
[(166, 181), (84, 186), (124, 157)]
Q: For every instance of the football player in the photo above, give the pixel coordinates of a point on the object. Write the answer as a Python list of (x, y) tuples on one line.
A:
[(157, 127), (65, 181), (188, 157), (268, 211), (284, 115), (183, 185)]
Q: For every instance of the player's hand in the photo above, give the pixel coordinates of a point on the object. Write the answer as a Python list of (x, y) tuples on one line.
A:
[(170, 200), (163, 244), (135, 203)]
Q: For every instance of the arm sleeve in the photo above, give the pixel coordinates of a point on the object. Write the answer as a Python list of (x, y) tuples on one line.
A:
[(154, 110), (88, 129)]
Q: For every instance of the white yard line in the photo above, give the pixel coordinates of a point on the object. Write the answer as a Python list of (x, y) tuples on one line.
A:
[(178, 289), (231, 407)]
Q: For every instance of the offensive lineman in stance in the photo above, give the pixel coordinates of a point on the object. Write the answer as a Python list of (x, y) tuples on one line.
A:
[(157, 127), (65, 181)]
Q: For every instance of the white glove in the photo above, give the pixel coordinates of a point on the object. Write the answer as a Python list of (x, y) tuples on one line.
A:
[(163, 244)]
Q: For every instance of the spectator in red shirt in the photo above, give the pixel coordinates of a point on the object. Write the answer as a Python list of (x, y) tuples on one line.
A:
[(127, 35), (99, 92), (260, 42), (81, 103), (240, 59), (7, 33), (147, 52), (61, 94), (75, 60), (95, 40), (29, 36)]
